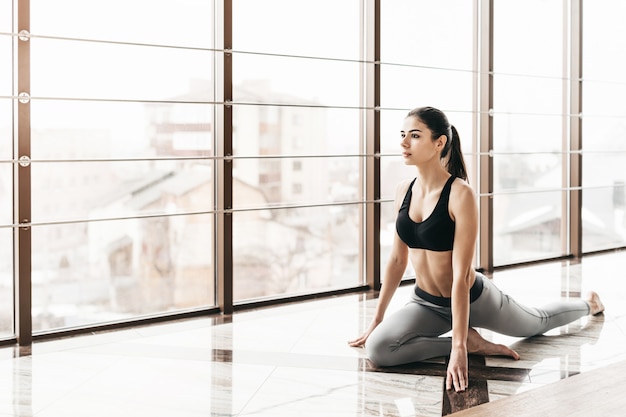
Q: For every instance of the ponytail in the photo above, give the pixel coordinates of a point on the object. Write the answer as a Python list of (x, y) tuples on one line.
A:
[(456, 163)]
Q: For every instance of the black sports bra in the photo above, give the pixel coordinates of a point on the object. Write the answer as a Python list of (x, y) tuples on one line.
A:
[(436, 232)]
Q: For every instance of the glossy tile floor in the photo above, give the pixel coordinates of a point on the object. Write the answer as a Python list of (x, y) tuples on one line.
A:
[(293, 360)]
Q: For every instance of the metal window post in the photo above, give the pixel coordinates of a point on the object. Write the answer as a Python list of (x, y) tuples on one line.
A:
[(371, 223), (22, 188), (486, 137), (224, 163), (575, 145)]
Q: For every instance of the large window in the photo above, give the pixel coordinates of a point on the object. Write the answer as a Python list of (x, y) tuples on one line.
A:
[(296, 145), (422, 65), (528, 130), (121, 139), (604, 125), (129, 131)]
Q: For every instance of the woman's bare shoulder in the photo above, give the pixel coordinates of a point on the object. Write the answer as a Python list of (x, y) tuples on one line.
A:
[(401, 189), (462, 188), (403, 185), (462, 199)]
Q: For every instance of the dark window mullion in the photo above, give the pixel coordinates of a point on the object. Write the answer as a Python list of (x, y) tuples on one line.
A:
[(22, 184)]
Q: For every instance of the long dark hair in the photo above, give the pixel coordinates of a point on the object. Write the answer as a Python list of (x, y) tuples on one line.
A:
[(438, 123)]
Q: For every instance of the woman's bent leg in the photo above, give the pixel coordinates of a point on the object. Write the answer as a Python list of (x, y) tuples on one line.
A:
[(410, 335), (497, 311)]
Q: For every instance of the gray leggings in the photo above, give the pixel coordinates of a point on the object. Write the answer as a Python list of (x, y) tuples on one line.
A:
[(412, 333)]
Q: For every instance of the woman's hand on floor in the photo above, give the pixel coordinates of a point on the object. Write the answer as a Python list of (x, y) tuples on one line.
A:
[(360, 341), (457, 374)]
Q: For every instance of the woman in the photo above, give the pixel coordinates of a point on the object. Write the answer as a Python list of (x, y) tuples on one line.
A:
[(437, 227)]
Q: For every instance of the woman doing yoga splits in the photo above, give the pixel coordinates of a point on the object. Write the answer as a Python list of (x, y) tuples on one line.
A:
[(437, 227)]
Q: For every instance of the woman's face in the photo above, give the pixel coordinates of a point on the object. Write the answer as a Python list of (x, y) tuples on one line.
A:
[(416, 142)]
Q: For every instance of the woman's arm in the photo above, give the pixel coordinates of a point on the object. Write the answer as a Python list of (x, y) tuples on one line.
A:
[(393, 275), (464, 210), (396, 265)]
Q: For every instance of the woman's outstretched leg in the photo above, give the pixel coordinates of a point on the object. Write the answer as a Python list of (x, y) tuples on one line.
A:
[(499, 312)]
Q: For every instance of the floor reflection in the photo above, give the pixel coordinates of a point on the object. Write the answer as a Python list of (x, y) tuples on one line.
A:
[(293, 360)]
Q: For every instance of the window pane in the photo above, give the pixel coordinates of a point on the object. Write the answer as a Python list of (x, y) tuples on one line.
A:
[(526, 226), (604, 169), (512, 52), (407, 29), (529, 119), (528, 132), (101, 190), (406, 87), (132, 140), (280, 80), (115, 71), (599, 100), (532, 95), (527, 172), (392, 167), (261, 29), (284, 181), (604, 217), (98, 272), (262, 26), (286, 130), (182, 23), (604, 40), (78, 130), (6, 67), (604, 202), (6, 282), (6, 194), (6, 15), (6, 243), (603, 125), (295, 251), (291, 147), (422, 70), (6, 137)]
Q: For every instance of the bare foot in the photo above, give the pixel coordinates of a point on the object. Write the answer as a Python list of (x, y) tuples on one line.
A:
[(595, 305), (476, 344)]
